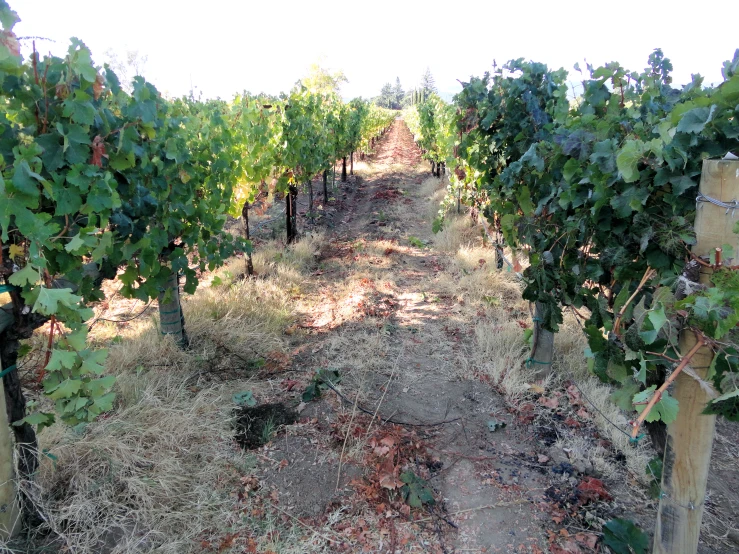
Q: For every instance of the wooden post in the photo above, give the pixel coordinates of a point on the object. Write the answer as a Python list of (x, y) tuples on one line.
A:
[(171, 318), (325, 186), (249, 261), (690, 437), (310, 200), (542, 346), (291, 213), (9, 508)]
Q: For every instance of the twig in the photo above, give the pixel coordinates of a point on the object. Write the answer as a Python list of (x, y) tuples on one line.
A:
[(388, 420), (387, 386), (346, 438), (648, 274), (324, 537), (658, 393), (486, 507)]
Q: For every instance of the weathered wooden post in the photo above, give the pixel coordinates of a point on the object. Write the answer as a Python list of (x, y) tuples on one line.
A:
[(9, 508), (325, 186), (249, 261), (171, 318), (690, 437), (291, 213), (542, 346)]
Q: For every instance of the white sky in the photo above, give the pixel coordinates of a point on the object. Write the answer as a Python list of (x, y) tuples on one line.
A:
[(265, 46)]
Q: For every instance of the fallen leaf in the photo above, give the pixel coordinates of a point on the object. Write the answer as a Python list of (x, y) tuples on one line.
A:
[(587, 539), (593, 489), (552, 403), (543, 459)]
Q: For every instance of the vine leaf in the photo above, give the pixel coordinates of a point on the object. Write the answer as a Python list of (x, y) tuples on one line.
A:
[(628, 159), (665, 410), (695, 120), (416, 491), (26, 276), (623, 537)]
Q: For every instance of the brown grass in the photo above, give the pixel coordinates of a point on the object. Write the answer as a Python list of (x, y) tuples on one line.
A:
[(159, 471)]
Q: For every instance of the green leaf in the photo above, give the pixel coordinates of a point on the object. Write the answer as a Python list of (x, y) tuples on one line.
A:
[(25, 180), (66, 389), (48, 300), (120, 161), (524, 201), (26, 276), (102, 404), (628, 159), (38, 418), (623, 537), (311, 392), (93, 361), (75, 243), (624, 397), (244, 398), (60, 359), (665, 410), (656, 320), (416, 491), (629, 201), (571, 168), (695, 120)]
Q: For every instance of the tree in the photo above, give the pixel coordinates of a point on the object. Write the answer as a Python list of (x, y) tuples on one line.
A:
[(387, 96), (427, 82), (131, 65), (398, 94), (321, 81)]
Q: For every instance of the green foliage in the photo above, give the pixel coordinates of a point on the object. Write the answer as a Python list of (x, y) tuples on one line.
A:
[(137, 185), (596, 190), (244, 398), (318, 383), (416, 491), (623, 537)]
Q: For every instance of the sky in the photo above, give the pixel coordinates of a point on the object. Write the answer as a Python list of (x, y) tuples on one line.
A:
[(223, 47)]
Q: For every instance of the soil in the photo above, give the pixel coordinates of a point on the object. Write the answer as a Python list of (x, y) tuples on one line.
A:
[(256, 425), (376, 317)]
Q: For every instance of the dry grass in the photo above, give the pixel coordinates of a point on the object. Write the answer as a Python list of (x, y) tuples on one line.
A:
[(499, 350), (158, 472)]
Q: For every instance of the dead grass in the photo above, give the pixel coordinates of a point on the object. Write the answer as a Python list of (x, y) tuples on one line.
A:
[(158, 473), (499, 350)]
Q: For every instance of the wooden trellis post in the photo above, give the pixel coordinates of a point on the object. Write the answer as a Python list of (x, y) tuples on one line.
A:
[(9, 509), (690, 437)]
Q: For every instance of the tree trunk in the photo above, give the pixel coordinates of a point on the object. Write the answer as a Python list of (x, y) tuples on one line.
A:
[(18, 327), (542, 349), (438, 169), (310, 200), (433, 167), (343, 169), (351, 157), (291, 211), (171, 318), (249, 262), (325, 186)]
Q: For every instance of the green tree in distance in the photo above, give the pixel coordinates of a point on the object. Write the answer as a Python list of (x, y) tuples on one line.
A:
[(428, 84), (322, 81)]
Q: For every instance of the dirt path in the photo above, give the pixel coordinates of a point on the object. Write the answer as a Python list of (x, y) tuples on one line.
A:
[(376, 316), (384, 312)]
